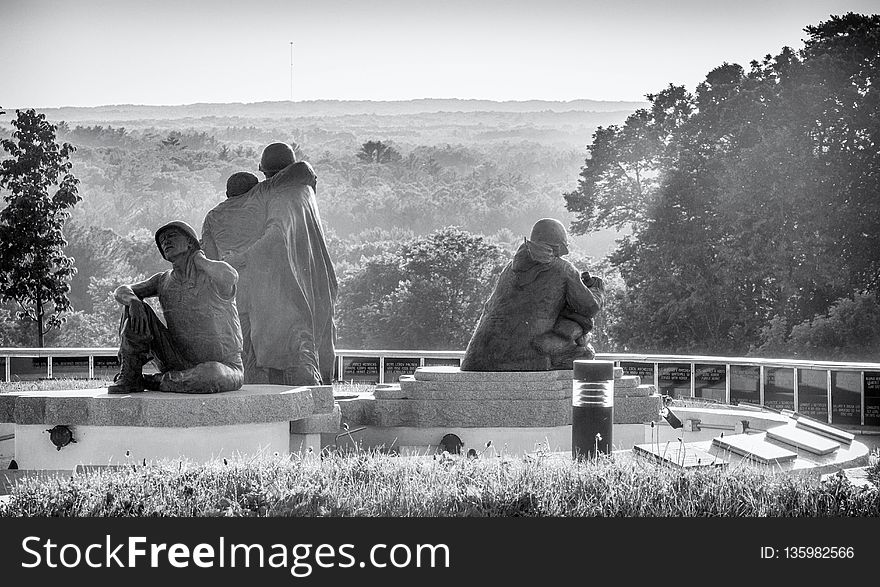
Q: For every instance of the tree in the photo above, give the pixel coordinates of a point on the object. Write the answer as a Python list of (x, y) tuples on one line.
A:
[(378, 152), (427, 294), (849, 330), (751, 202), (34, 271)]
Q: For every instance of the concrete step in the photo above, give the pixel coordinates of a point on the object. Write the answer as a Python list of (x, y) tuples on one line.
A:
[(754, 446), (640, 391), (803, 439), (627, 381)]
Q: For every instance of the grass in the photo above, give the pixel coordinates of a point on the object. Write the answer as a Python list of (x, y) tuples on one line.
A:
[(377, 484)]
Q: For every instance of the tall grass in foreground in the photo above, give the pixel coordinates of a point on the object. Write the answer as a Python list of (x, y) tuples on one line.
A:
[(374, 484)]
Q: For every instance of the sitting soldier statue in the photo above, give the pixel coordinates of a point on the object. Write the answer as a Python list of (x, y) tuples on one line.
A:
[(541, 311), (199, 351)]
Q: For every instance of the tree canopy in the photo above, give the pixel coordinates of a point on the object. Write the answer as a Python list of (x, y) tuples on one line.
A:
[(34, 271), (754, 197), (426, 293)]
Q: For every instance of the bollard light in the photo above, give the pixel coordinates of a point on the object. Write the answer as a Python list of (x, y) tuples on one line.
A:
[(592, 408)]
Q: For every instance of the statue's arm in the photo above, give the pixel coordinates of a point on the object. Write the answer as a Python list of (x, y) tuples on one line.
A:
[(581, 299), (299, 173), (209, 245), (131, 296), (277, 192), (271, 234), (135, 292)]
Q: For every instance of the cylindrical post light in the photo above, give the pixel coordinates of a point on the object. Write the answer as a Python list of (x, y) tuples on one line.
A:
[(592, 408)]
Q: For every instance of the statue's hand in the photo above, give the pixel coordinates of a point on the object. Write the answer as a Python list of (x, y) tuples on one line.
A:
[(137, 316), (591, 281), (199, 256)]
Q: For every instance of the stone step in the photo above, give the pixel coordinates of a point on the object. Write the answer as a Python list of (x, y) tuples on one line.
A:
[(676, 455), (470, 413), (754, 446), (450, 373), (636, 410), (410, 383), (827, 430), (791, 435), (627, 381), (640, 391), (419, 390)]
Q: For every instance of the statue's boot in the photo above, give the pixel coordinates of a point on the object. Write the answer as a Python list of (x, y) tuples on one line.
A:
[(207, 377), (130, 378)]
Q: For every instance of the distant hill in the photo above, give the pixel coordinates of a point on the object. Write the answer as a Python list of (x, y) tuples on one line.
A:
[(122, 112)]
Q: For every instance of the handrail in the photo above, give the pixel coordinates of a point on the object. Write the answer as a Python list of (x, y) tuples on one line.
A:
[(40, 352), (688, 380)]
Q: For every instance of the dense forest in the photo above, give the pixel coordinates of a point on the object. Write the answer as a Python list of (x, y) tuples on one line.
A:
[(746, 210)]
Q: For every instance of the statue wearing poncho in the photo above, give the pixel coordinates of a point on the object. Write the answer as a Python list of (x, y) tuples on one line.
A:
[(540, 312), (287, 286)]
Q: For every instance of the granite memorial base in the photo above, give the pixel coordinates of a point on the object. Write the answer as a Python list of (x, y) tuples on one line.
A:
[(61, 430), (490, 412)]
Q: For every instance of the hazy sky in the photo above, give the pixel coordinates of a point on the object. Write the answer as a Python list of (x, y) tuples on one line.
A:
[(97, 52)]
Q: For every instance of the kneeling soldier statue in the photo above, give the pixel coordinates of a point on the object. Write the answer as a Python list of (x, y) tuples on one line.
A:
[(199, 351)]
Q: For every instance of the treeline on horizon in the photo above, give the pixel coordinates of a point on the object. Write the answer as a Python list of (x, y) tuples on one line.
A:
[(751, 208)]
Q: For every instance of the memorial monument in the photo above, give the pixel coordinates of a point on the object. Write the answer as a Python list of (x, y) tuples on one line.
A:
[(272, 234), (199, 351), (513, 390), (540, 313)]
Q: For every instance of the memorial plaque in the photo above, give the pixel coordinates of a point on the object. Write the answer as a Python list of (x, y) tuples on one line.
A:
[(674, 379), (28, 368), (745, 384), (779, 388), (813, 393), (106, 366), (872, 398), (846, 397), (396, 366), (360, 369), (70, 367), (433, 362), (710, 382), (645, 371)]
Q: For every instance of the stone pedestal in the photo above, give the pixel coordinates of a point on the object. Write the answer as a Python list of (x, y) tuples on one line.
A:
[(94, 428), (511, 411)]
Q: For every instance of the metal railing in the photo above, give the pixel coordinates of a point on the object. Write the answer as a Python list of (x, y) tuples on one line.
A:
[(839, 392)]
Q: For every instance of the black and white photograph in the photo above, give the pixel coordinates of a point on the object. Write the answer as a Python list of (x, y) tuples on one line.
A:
[(463, 291)]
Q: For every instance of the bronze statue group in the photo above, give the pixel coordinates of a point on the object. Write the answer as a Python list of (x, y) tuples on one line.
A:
[(252, 300)]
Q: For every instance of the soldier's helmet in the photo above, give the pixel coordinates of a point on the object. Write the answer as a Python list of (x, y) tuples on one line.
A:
[(276, 157), (181, 226), (550, 232)]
